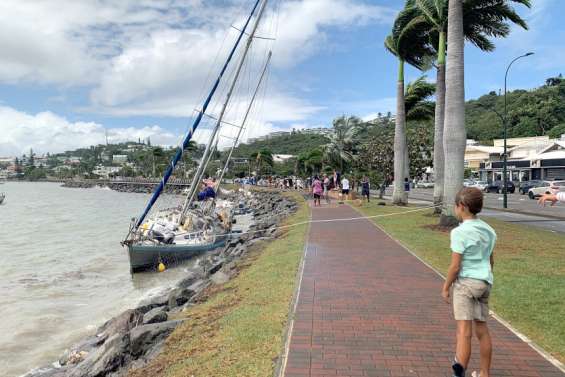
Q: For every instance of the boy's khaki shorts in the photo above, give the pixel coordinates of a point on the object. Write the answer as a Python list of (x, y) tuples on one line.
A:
[(470, 299)]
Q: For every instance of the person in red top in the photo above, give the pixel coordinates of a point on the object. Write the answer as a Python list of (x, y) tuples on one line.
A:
[(317, 190)]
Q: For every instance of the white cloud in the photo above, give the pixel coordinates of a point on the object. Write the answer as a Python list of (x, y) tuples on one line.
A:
[(49, 132)]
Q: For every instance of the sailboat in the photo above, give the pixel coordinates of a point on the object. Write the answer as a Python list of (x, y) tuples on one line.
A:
[(182, 231)]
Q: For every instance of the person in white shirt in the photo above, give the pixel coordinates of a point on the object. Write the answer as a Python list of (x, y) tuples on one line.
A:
[(344, 186), (552, 198)]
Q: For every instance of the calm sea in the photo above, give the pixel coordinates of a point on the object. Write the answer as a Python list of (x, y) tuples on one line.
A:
[(63, 269)]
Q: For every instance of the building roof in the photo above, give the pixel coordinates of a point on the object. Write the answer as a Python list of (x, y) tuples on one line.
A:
[(550, 155), (484, 149)]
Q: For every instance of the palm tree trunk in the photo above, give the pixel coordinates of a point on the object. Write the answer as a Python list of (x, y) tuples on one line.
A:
[(439, 158), (399, 195), (454, 136)]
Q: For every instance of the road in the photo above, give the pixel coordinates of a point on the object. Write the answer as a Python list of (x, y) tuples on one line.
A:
[(532, 214)]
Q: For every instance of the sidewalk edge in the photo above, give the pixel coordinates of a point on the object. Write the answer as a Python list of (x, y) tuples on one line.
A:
[(280, 367)]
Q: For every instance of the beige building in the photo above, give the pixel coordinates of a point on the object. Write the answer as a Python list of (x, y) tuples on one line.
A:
[(475, 155)]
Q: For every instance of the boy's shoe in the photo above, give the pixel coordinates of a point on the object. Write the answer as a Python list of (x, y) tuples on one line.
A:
[(476, 374), (458, 370)]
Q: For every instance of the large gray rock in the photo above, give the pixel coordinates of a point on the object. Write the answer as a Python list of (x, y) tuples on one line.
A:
[(156, 315), (105, 359), (122, 323), (180, 296), (85, 345), (220, 278), (144, 337)]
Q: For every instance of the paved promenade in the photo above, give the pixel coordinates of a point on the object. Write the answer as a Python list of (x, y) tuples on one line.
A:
[(367, 307)]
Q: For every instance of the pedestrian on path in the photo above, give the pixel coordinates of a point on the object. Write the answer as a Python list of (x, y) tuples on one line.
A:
[(345, 187), (366, 188), (317, 191), (469, 280), (552, 198), (327, 184)]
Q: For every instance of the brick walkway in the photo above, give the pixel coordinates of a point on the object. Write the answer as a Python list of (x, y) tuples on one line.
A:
[(369, 308)]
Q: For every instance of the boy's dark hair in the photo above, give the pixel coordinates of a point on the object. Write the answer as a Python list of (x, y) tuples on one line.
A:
[(470, 197)]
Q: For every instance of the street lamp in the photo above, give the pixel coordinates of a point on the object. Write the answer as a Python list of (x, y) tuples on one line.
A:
[(504, 164)]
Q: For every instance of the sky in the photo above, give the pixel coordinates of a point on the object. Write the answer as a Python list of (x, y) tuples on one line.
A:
[(72, 72)]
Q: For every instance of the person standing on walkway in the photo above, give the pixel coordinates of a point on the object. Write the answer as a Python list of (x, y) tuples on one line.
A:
[(317, 191), (327, 188), (552, 198), (469, 280), (366, 188), (345, 187)]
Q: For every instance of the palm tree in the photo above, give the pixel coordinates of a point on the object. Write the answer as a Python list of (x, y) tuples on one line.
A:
[(417, 108), (481, 19), (408, 42), (340, 150), (454, 137), (156, 153), (262, 159)]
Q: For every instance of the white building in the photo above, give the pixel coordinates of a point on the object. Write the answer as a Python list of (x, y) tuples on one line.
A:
[(106, 171), (280, 158), (120, 159)]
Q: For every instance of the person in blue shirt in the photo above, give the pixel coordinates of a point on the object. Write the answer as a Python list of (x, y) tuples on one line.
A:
[(469, 280)]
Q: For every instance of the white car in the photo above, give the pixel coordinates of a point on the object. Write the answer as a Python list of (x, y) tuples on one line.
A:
[(481, 185), (425, 184), (468, 183), (547, 187)]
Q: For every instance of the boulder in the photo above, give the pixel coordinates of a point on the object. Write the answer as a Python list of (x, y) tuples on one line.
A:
[(122, 323), (143, 337), (156, 315), (180, 296), (105, 359), (219, 278)]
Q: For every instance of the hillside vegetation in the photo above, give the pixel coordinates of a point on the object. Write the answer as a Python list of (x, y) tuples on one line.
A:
[(534, 112)]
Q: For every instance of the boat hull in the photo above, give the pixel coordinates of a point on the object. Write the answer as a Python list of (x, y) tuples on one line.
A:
[(143, 257)]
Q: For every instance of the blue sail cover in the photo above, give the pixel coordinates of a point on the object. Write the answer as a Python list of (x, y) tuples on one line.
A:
[(159, 189)]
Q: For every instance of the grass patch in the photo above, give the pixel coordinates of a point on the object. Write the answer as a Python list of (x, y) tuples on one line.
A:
[(238, 330), (529, 270)]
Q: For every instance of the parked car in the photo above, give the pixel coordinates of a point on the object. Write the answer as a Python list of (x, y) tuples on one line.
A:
[(468, 182), (424, 184), (481, 185), (527, 185), (547, 187), (496, 186)]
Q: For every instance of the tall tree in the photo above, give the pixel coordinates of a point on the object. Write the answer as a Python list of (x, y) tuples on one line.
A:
[(340, 150), (481, 19), (408, 42), (454, 137)]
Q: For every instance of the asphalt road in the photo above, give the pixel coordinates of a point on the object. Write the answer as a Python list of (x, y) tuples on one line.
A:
[(532, 214)]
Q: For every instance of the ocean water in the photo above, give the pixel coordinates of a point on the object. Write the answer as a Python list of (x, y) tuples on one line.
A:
[(63, 270)]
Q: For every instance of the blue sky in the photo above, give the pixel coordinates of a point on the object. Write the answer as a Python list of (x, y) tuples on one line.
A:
[(137, 68)]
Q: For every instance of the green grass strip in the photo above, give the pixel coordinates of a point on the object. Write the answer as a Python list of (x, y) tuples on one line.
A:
[(239, 329)]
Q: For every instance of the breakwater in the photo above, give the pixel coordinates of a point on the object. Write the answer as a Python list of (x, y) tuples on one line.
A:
[(134, 337), (131, 187)]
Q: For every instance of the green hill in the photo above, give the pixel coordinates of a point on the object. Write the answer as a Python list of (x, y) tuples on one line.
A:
[(294, 143), (536, 112)]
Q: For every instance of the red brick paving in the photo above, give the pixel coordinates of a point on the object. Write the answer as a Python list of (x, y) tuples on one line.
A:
[(367, 307)]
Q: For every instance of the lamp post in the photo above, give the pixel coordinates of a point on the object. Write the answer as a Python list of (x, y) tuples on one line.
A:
[(505, 161)]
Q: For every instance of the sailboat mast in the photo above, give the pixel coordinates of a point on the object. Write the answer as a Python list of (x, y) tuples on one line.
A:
[(244, 120), (196, 179), (159, 189)]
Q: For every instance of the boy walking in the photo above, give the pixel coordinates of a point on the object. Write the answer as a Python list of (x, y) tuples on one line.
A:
[(469, 280)]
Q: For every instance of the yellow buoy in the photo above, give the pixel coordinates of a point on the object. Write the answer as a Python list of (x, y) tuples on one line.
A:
[(161, 267)]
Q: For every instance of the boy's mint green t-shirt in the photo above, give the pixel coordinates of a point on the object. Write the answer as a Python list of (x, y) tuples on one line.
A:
[(475, 240)]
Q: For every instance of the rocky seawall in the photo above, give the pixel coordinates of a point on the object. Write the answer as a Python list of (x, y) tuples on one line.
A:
[(141, 188), (134, 337)]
